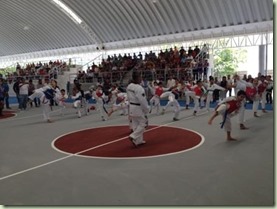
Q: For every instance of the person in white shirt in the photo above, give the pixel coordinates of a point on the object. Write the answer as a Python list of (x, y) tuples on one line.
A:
[(138, 109), (157, 90), (38, 93), (61, 101), (78, 98), (252, 94), (172, 101), (210, 90), (228, 108), (229, 85), (121, 103), (171, 82), (198, 95), (189, 93), (100, 99), (240, 84), (263, 83), (23, 94), (51, 93)]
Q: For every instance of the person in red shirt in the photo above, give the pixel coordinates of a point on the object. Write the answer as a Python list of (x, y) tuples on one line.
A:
[(198, 94), (228, 108), (100, 99), (262, 92)]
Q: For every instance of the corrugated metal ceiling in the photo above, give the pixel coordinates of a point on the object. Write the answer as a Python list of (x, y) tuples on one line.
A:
[(38, 25)]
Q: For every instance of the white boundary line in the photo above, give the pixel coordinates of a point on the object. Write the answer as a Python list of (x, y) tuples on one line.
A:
[(77, 154), (14, 115), (30, 116)]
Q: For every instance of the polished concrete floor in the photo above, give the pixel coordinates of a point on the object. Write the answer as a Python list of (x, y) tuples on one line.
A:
[(217, 173)]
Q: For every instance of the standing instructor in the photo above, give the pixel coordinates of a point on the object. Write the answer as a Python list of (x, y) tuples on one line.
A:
[(138, 108)]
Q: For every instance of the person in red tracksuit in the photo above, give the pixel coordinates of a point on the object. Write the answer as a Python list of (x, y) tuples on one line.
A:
[(228, 108)]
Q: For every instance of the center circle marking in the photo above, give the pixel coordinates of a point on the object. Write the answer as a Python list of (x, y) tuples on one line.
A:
[(113, 142)]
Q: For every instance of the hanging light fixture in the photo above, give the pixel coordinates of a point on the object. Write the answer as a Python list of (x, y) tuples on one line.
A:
[(68, 11)]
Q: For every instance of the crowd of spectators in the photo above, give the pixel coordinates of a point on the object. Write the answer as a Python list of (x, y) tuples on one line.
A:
[(37, 71), (185, 63)]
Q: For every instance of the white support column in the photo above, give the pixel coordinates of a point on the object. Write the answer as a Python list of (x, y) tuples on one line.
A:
[(262, 59), (210, 71)]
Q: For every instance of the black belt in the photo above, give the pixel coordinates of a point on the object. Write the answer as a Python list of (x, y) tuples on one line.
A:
[(137, 104)]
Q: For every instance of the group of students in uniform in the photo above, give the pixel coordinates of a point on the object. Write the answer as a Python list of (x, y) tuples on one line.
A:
[(135, 104), (253, 89), (51, 94)]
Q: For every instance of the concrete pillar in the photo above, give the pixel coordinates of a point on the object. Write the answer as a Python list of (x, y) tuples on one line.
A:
[(211, 66), (262, 59)]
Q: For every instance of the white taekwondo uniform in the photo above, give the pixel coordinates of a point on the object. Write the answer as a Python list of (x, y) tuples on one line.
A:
[(138, 109)]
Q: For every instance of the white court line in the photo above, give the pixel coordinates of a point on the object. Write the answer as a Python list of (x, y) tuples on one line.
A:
[(30, 116), (5, 119), (133, 158), (92, 148), (122, 158)]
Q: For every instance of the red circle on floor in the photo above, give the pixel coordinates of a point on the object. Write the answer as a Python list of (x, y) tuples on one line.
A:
[(7, 114), (113, 142)]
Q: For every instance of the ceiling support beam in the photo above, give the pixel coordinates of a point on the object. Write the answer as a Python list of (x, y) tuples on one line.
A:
[(78, 21)]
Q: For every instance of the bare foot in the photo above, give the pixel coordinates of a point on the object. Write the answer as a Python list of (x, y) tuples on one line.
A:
[(264, 111)]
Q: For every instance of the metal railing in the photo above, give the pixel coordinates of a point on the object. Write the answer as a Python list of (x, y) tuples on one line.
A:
[(148, 74), (89, 62)]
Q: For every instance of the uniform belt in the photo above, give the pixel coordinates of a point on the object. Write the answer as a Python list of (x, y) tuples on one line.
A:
[(137, 104)]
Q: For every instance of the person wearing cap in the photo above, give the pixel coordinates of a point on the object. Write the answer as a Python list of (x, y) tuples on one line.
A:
[(138, 109)]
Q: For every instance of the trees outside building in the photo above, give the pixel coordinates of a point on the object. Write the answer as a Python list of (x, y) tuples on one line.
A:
[(226, 61)]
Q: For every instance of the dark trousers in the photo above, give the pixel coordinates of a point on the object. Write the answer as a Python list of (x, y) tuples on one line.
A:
[(7, 101), (1, 105), (216, 94), (269, 97)]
